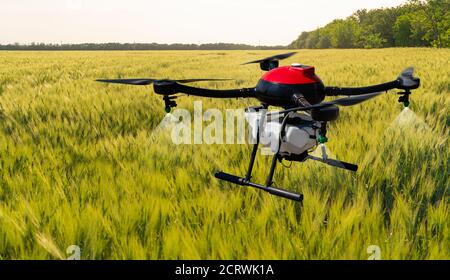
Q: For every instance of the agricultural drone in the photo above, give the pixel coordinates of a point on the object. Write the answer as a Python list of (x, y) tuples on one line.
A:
[(299, 127)]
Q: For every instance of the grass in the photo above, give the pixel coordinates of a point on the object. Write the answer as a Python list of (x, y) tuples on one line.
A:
[(81, 163)]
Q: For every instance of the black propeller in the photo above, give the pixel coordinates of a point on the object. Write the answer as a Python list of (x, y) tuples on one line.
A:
[(272, 58), (271, 62), (144, 82), (351, 100), (346, 101)]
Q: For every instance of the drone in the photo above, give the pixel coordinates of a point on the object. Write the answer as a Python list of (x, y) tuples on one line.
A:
[(299, 127)]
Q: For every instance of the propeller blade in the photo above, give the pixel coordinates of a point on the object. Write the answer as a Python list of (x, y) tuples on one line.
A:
[(346, 101), (408, 72), (272, 58), (353, 100), (200, 80), (136, 82), (144, 82), (407, 80)]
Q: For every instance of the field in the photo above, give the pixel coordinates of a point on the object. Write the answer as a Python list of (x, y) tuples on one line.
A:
[(83, 163)]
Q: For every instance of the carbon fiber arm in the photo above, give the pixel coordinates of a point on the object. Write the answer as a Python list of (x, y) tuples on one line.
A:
[(405, 81), (174, 88), (334, 91)]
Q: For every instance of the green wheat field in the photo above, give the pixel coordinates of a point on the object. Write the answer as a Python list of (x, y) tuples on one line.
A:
[(83, 163)]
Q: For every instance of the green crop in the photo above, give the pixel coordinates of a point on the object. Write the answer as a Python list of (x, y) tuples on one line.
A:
[(82, 163)]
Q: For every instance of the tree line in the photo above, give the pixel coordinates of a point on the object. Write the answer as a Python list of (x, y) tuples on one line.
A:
[(414, 24), (133, 46), (418, 23)]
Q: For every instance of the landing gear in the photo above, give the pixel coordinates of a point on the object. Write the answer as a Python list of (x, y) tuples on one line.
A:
[(280, 156), (268, 186)]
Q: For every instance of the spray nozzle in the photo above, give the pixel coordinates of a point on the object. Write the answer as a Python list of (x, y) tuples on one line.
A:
[(322, 139), (169, 102), (404, 98)]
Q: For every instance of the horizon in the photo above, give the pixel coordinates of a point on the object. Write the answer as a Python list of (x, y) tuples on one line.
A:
[(176, 22), (135, 43)]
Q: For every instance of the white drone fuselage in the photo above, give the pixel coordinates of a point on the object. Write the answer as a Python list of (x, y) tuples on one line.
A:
[(300, 133)]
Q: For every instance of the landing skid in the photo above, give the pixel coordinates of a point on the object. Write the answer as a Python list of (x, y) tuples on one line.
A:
[(272, 190), (246, 181), (267, 186)]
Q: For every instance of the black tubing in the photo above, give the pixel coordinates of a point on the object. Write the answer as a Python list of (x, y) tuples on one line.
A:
[(285, 193), (272, 190), (230, 178)]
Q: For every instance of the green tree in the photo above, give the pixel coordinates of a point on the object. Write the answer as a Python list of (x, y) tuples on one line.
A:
[(410, 31), (312, 40), (416, 23), (301, 41), (371, 41), (436, 15), (379, 23), (344, 33), (324, 39)]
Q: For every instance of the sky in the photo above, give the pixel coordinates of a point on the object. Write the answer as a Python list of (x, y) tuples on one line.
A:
[(255, 22)]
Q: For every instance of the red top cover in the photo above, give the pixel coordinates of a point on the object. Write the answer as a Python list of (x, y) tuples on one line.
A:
[(291, 75)]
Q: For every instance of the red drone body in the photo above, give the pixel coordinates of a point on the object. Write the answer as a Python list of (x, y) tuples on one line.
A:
[(280, 86), (296, 74)]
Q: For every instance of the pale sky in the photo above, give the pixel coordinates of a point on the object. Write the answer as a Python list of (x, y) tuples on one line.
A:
[(265, 22)]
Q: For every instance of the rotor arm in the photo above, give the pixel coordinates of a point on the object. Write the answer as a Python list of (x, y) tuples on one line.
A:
[(335, 91), (215, 93), (405, 81), (170, 88)]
